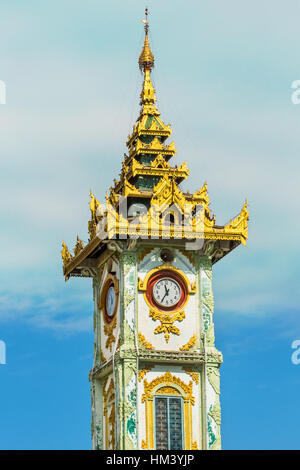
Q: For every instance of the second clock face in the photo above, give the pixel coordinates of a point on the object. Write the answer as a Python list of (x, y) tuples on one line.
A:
[(110, 301), (166, 292)]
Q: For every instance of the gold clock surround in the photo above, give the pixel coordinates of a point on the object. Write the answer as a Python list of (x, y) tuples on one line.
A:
[(110, 323), (167, 318)]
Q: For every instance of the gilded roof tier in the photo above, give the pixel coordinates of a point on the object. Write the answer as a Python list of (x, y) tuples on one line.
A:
[(148, 177)]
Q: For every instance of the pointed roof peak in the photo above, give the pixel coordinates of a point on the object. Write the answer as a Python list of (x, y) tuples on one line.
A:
[(146, 59)]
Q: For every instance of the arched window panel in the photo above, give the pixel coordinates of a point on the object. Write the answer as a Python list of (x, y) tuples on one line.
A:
[(168, 411), (168, 423)]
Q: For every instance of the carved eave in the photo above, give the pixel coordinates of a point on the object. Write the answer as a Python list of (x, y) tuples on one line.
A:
[(155, 147), (159, 167), (218, 240), (157, 128), (240, 224), (148, 171), (128, 192), (83, 264)]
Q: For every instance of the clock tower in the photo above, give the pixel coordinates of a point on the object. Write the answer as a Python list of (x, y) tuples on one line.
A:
[(155, 378)]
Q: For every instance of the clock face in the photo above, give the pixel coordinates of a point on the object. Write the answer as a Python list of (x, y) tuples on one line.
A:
[(110, 301), (166, 292)]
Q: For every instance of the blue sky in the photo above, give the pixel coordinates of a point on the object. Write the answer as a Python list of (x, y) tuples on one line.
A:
[(223, 77)]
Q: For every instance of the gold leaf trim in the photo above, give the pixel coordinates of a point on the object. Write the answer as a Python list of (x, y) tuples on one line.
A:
[(167, 321), (168, 391), (190, 344), (108, 331), (168, 379), (189, 255), (102, 357), (79, 246), (144, 444), (143, 372), (163, 384), (193, 374), (144, 342), (65, 254), (143, 253)]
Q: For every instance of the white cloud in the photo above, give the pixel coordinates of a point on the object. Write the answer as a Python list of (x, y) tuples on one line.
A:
[(68, 113)]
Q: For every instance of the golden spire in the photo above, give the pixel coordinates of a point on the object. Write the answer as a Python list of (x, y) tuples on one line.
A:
[(146, 59), (146, 63)]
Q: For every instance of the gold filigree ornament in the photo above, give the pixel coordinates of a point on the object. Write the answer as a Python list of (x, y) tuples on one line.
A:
[(102, 357), (143, 372), (193, 374), (166, 320), (79, 246), (144, 342), (65, 254), (109, 405), (108, 331), (110, 323), (190, 344), (144, 252), (168, 384)]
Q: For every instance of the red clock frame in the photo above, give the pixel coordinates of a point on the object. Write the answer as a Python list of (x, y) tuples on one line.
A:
[(110, 281), (172, 275)]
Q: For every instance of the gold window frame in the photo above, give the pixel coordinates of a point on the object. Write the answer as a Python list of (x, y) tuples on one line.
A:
[(168, 384), (109, 418)]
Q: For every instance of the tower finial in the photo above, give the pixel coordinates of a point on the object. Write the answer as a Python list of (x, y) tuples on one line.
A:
[(146, 59), (146, 20)]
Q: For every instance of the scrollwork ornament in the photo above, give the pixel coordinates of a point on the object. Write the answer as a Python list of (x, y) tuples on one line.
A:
[(144, 342), (190, 344), (213, 375), (79, 246), (167, 321), (215, 413)]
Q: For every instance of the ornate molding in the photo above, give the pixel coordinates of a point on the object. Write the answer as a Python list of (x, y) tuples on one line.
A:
[(168, 384), (144, 252), (65, 254), (142, 284), (108, 403), (168, 379), (143, 372), (166, 320), (213, 355), (144, 342), (88, 272), (110, 323), (193, 374), (190, 344), (108, 392), (189, 255), (213, 375), (102, 357), (79, 246), (215, 413), (108, 331), (168, 391)]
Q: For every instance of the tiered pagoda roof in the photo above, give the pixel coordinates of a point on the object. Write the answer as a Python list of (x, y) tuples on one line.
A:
[(148, 178)]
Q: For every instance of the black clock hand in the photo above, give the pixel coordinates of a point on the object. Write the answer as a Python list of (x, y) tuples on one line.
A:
[(166, 294)]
